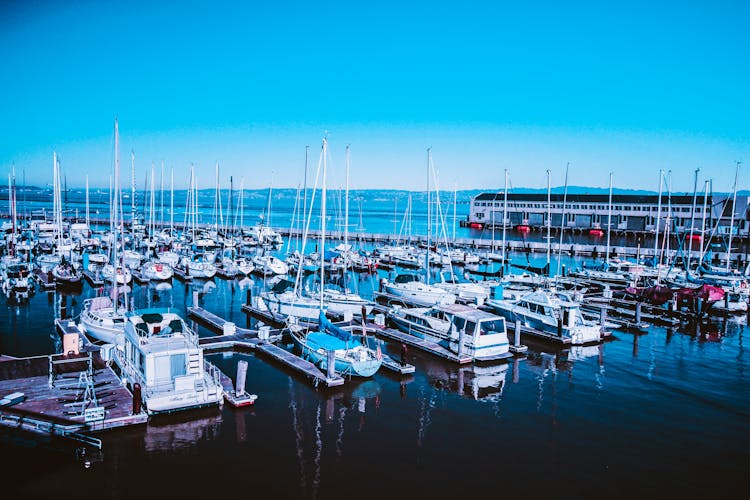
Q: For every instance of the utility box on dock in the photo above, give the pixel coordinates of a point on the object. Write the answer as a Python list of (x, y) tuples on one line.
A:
[(229, 328), (264, 332), (71, 343), (380, 320)]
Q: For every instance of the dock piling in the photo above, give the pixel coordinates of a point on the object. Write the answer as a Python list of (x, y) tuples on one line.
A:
[(239, 388), (331, 360)]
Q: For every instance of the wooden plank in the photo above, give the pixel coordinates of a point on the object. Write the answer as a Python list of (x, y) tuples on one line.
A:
[(301, 365)]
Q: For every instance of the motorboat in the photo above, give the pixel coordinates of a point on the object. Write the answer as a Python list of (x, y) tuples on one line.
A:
[(464, 330)]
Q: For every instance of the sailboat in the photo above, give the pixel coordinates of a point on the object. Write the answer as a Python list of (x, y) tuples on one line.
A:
[(101, 317), (350, 353), (64, 272), (409, 286)]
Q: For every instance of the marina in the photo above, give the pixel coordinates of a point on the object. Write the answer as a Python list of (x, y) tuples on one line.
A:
[(385, 250)]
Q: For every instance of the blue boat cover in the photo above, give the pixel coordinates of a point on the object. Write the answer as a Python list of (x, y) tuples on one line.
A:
[(316, 340), (332, 329)]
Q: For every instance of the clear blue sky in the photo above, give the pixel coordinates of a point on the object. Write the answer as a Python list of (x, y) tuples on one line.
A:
[(624, 86)]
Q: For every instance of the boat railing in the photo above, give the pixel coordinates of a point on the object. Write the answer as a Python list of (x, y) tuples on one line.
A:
[(213, 372)]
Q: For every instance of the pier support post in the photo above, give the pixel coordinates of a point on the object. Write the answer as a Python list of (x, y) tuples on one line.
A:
[(638, 307), (461, 338), (517, 333), (195, 298), (248, 297), (331, 358), (602, 316), (239, 388)]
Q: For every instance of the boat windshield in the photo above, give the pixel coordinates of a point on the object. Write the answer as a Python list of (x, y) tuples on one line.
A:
[(405, 278), (493, 326)]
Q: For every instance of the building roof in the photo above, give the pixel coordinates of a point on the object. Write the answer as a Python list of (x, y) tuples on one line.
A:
[(642, 199)]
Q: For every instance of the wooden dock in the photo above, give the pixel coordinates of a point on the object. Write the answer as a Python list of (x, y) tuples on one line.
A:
[(181, 275), (301, 365), (138, 277), (248, 339), (95, 280), (264, 315), (55, 402), (421, 344), (45, 280)]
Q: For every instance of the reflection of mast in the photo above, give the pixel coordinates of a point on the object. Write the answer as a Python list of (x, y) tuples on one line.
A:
[(318, 452), (297, 436), (425, 409), (340, 434)]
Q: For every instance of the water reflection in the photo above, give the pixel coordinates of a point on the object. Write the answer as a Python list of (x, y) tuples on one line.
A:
[(323, 417), (179, 432)]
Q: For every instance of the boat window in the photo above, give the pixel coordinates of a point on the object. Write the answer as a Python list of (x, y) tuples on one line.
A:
[(494, 326), (405, 278), (459, 323), (177, 365)]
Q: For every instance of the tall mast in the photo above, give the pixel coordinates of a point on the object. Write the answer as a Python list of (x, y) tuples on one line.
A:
[(429, 218), (703, 221), (505, 212), (87, 199), (132, 187), (322, 224), (549, 220), (171, 201), (658, 216), (346, 202), (113, 217), (562, 219), (455, 199), (731, 217), (609, 219)]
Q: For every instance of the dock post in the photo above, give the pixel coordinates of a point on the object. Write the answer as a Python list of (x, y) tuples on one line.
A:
[(248, 297), (638, 307), (563, 270), (239, 388), (559, 327), (461, 338), (602, 316), (517, 333), (331, 358), (195, 298)]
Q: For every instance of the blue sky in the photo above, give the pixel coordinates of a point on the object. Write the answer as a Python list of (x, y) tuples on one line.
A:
[(628, 87)]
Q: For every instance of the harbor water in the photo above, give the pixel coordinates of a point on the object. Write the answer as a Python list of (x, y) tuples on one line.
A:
[(665, 413)]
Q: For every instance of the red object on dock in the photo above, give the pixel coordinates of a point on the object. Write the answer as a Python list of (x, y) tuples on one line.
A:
[(596, 232), (523, 228), (476, 225), (694, 237)]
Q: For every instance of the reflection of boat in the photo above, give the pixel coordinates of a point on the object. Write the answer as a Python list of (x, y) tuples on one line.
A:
[(483, 382), (181, 432), (462, 329)]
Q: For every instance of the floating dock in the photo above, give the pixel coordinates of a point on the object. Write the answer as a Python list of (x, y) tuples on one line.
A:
[(424, 345), (138, 277), (95, 280), (45, 279), (249, 339), (181, 275), (66, 395)]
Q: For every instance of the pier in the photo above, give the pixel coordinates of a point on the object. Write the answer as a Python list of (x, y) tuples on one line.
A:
[(249, 339), (45, 279), (95, 280)]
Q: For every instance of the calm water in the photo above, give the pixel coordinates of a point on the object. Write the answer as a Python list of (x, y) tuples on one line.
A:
[(663, 413)]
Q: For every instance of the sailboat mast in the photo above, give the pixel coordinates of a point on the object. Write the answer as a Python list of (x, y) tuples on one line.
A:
[(429, 218), (562, 220), (703, 221), (132, 187), (505, 212), (113, 217), (322, 223), (731, 217), (658, 216), (346, 202), (87, 199), (609, 220), (171, 201), (549, 220)]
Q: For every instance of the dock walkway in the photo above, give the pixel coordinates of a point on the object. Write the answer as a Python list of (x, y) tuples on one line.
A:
[(248, 339)]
